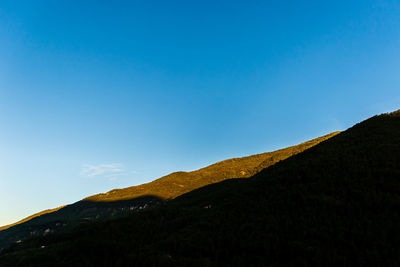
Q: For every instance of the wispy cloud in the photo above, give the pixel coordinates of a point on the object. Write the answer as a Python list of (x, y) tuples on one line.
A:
[(110, 170)]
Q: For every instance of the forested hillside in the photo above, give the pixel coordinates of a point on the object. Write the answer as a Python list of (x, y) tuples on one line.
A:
[(121, 202), (335, 204)]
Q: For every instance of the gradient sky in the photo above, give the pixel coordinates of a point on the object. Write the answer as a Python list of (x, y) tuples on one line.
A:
[(97, 95)]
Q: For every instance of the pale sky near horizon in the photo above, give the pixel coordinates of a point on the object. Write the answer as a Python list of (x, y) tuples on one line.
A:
[(97, 95)]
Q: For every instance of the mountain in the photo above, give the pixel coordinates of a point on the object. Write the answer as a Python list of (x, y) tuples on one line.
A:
[(178, 183), (335, 204), (30, 217), (121, 202)]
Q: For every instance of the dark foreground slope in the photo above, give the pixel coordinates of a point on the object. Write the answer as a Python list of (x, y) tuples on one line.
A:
[(336, 204), (31, 217), (121, 202)]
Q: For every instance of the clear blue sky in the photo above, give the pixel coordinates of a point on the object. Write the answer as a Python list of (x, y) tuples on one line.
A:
[(97, 95)]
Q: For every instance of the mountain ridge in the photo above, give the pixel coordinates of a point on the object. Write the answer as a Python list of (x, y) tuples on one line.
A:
[(249, 166), (335, 204), (136, 198), (31, 217)]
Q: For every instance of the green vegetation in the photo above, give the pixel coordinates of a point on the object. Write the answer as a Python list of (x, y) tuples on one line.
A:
[(122, 202), (335, 204)]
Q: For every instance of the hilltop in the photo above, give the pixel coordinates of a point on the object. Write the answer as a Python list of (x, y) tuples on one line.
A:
[(178, 183)]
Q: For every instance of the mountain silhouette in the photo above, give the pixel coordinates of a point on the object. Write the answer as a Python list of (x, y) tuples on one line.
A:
[(121, 202), (334, 204)]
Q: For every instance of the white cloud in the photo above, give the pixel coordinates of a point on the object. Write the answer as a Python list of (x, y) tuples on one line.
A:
[(110, 170)]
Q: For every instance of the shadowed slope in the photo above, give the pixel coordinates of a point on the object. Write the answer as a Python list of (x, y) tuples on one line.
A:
[(335, 204), (70, 216), (30, 217), (167, 187)]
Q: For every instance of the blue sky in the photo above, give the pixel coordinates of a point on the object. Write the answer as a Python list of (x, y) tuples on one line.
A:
[(97, 95)]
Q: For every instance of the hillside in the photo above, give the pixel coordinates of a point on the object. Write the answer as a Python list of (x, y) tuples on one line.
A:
[(335, 204), (178, 183), (121, 202), (30, 218)]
